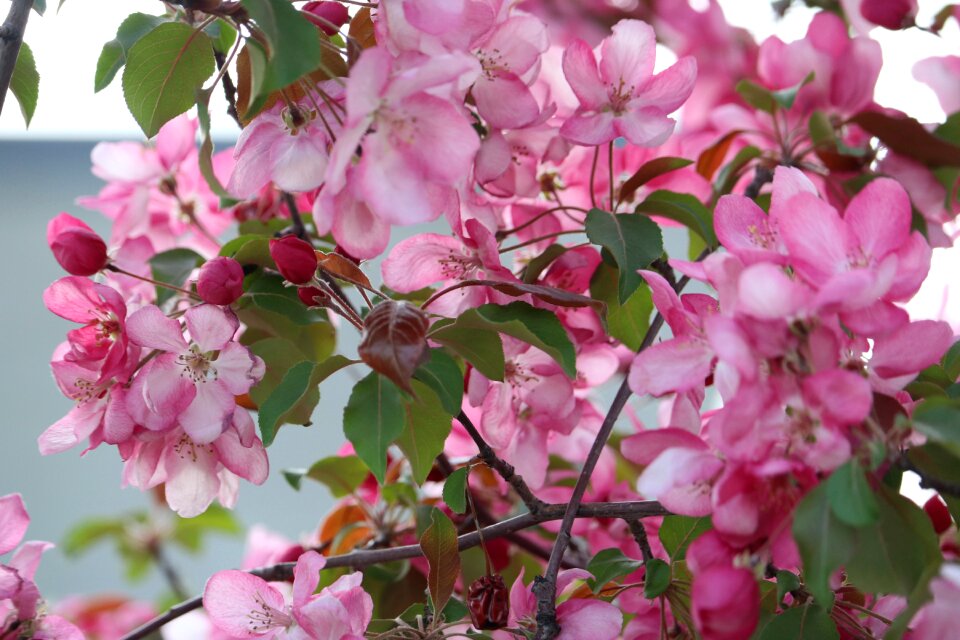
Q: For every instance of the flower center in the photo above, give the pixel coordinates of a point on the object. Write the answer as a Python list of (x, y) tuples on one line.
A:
[(197, 365), (187, 448), (620, 94), (264, 617)]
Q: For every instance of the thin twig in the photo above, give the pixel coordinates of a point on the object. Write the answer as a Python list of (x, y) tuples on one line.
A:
[(299, 229), (366, 558), (229, 89), (11, 37), (640, 535), (169, 573), (502, 467)]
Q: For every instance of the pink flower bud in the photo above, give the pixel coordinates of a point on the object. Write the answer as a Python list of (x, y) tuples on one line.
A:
[(295, 259), (78, 249), (890, 14), (220, 281), (726, 603), (312, 296), (331, 12)]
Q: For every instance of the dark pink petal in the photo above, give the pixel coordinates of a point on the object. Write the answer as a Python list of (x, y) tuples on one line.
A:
[(854, 80), (911, 348), (150, 327), (243, 605), (643, 448), (589, 128), (248, 462), (73, 298), (788, 182), (670, 88), (505, 101), (725, 603), (211, 327), (582, 618), (877, 319), (499, 416), (845, 396), (118, 424), (676, 365), (746, 230), (815, 236), (879, 217), (580, 70), (913, 264), (13, 521), (627, 56), (164, 391)]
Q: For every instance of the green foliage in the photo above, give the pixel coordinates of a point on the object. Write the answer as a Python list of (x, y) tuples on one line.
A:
[(627, 322), (648, 171), (657, 578), (683, 208), (427, 426), (769, 101), (851, 497), (805, 622), (439, 545), (163, 73), (173, 267), (634, 241), (825, 542), (455, 490), (294, 45), (677, 532), (340, 474), (442, 374), (610, 564), (25, 82), (373, 418), (939, 420), (114, 53)]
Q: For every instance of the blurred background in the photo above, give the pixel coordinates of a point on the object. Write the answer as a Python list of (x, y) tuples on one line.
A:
[(44, 169)]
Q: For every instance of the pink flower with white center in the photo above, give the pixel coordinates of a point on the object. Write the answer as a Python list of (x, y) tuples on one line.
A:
[(623, 97), (246, 606), (429, 258), (193, 474), (21, 611), (193, 383), (414, 146), (101, 344), (578, 617), (289, 146)]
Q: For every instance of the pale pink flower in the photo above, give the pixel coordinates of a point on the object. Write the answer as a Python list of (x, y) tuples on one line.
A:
[(246, 606), (193, 383), (941, 74), (623, 97)]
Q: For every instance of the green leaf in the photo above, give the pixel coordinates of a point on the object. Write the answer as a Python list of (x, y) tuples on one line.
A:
[(295, 384), (682, 208), (442, 374), (205, 158), (939, 420), (787, 582), (40, 6), (893, 555), (850, 495), (114, 53), (536, 266), (427, 426), (806, 622), (439, 545), (756, 96), (677, 532), (189, 532), (628, 322), (164, 71), (786, 97), (455, 490), (610, 564), (825, 542), (173, 267), (938, 463), (482, 349), (340, 474), (657, 578), (294, 44), (25, 82), (728, 176), (648, 171), (222, 34), (89, 532), (537, 327), (373, 418), (634, 241)]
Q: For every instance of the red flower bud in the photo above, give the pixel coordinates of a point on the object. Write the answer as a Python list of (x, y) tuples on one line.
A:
[(78, 249), (220, 281), (331, 12), (938, 513), (312, 297), (489, 603), (295, 259), (889, 14)]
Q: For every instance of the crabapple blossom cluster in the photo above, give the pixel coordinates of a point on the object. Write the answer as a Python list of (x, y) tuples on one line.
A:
[(561, 165)]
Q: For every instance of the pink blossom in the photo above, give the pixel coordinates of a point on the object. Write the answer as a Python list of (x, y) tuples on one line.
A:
[(937, 620), (191, 383), (940, 74), (220, 281), (725, 603), (246, 606), (623, 97), (890, 14), (78, 249)]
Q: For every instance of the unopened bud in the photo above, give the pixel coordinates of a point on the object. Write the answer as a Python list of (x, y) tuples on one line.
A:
[(78, 249), (220, 281), (295, 259)]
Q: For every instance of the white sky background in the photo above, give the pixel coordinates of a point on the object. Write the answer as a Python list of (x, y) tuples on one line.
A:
[(67, 45)]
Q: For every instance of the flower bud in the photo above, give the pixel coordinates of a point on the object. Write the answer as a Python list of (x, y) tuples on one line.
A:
[(78, 249), (220, 281), (331, 12), (312, 297), (489, 602), (889, 14), (295, 258), (938, 513)]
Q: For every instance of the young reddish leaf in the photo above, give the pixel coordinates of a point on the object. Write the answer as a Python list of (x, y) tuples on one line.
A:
[(439, 545), (551, 295), (650, 170), (906, 136), (395, 341), (361, 29), (711, 159), (343, 268)]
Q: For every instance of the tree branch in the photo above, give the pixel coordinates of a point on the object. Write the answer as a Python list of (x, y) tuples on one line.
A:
[(366, 558), (502, 467), (11, 37), (229, 89)]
